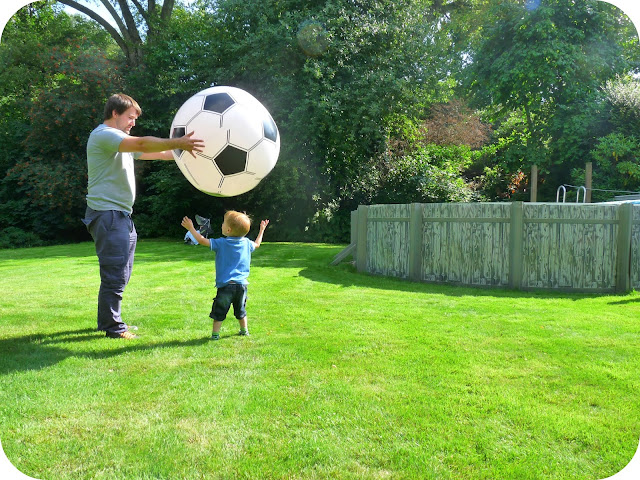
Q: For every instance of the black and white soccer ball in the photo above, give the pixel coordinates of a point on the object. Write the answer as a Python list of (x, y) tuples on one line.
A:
[(242, 142)]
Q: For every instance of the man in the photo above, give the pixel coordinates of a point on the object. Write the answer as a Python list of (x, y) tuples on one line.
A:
[(111, 194)]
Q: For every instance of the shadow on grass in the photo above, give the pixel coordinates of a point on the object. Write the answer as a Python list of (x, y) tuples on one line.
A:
[(346, 276), (626, 301), (37, 351)]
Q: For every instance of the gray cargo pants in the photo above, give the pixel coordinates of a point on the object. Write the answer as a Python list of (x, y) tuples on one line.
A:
[(115, 238)]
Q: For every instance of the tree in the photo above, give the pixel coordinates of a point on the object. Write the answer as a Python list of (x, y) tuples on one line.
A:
[(454, 123), (616, 165), (337, 78), (548, 63), (54, 71), (347, 74), (616, 152), (623, 95), (135, 23)]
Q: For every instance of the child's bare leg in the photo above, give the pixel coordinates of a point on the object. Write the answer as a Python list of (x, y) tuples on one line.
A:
[(215, 333), (243, 326)]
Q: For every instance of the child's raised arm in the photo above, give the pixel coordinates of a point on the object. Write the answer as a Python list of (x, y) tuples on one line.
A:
[(263, 227), (188, 224)]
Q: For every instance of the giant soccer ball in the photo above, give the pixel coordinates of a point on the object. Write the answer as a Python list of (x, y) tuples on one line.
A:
[(241, 141)]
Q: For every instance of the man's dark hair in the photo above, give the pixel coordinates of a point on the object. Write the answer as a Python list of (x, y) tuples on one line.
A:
[(120, 103)]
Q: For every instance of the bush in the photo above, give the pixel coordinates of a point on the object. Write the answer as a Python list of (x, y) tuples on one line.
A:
[(432, 174), (14, 237), (616, 165)]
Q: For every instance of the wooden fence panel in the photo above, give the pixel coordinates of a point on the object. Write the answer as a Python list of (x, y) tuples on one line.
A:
[(635, 249), (570, 246), (388, 240), (466, 243)]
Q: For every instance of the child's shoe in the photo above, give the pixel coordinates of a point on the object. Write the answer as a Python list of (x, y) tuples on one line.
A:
[(243, 333), (215, 336), (126, 335)]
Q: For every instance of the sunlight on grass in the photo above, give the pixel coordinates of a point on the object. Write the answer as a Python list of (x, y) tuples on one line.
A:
[(344, 376)]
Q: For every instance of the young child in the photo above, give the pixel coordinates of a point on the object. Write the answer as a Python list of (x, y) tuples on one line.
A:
[(233, 260)]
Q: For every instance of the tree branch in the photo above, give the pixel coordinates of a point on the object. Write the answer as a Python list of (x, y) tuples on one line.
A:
[(132, 28), (115, 16), (167, 8), (106, 25), (145, 14)]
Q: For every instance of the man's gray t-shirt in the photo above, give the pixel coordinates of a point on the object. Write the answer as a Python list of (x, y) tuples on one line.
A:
[(112, 184)]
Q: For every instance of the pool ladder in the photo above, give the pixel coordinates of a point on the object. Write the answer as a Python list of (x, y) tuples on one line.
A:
[(563, 189)]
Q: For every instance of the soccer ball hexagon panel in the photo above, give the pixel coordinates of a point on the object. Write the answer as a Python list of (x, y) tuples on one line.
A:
[(242, 142)]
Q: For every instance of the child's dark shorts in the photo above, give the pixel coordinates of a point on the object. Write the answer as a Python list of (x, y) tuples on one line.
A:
[(232, 294)]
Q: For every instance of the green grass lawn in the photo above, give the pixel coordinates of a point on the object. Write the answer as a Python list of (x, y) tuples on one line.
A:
[(344, 376)]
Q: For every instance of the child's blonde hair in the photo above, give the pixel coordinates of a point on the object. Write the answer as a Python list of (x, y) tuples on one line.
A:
[(238, 222)]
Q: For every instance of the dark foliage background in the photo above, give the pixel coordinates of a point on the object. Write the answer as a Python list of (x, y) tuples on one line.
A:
[(377, 101)]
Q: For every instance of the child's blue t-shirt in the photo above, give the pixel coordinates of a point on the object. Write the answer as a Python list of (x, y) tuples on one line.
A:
[(233, 259)]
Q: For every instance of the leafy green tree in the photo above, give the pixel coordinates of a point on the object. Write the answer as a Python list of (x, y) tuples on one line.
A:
[(623, 96), (55, 74), (341, 77), (337, 77), (616, 152), (547, 60), (34, 31), (616, 168)]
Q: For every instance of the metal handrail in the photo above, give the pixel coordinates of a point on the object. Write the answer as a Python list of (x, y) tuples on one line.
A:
[(563, 188), (564, 194)]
